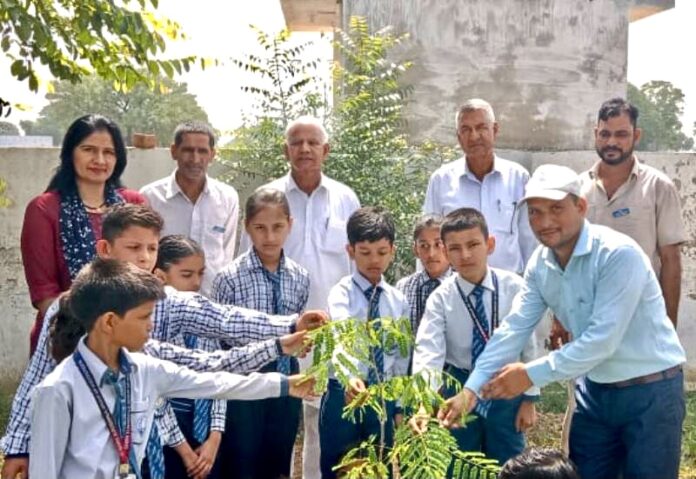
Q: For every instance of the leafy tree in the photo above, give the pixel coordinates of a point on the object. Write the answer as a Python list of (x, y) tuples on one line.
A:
[(140, 109), (369, 150), (119, 41), (7, 128), (284, 89), (661, 105)]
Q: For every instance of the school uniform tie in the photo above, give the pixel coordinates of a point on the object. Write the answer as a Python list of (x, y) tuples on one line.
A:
[(201, 407), (424, 292), (478, 342), (111, 377), (372, 294), (284, 363), (154, 453)]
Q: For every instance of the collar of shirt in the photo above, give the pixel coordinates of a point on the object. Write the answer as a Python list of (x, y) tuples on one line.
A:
[(498, 168), (173, 188), (291, 185), (582, 247), (468, 287), (364, 283), (254, 262), (96, 365), (637, 167)]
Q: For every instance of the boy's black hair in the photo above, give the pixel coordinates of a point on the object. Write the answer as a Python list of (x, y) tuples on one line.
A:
[(174, 248), (371, 223), (615, 107), (539, 463), (109, 285), (101, 286), (426, 222), (122, 216), (263, 197), (463, 219)]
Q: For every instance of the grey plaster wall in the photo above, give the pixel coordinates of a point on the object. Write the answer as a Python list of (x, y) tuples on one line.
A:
[(26, 172), (544, 65)]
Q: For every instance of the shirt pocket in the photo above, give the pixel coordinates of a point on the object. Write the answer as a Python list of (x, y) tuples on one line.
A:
[(139, 415), (334, 238), (504, 214)]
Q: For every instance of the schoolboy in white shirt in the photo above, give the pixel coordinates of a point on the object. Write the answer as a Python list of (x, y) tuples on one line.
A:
[(92, 415), (460, 316), (363, 295)]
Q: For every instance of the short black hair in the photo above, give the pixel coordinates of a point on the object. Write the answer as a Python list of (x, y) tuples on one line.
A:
[(109, 285), (616, 107), (539, 463), (194, 127), (464, 219), (264, 197), (425, 222), (174, 248), (122, 216), (63, 181), (371, 223)]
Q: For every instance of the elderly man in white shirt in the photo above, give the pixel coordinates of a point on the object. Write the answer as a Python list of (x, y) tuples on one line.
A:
[(195, 205), (320, 208), (486, 182)]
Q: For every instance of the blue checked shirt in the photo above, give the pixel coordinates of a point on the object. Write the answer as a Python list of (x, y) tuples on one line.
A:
[(178, 313), (412, 288), (607, 297), (244, 284)]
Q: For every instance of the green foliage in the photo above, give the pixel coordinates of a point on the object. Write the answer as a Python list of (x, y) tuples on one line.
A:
[(139, 109), (339, 346), (660, 105), (119, 41), (370, 151), (7, 128), (474, 465)]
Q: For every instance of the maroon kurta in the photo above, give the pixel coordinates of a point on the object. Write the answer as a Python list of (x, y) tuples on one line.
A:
[(45, 268)]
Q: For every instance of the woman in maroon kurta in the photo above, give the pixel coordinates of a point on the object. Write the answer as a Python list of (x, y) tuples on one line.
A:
[(61, 226)]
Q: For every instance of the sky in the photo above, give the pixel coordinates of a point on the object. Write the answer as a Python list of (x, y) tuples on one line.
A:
[(658, 50)]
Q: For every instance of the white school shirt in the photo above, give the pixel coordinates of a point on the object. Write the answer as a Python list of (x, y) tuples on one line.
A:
[(446, 330), (497, 197), (347, 300), (69, 436), (211, 220), (318, 236)]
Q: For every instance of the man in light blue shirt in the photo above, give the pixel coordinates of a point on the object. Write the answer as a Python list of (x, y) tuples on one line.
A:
[(484, 181), (602, 288)]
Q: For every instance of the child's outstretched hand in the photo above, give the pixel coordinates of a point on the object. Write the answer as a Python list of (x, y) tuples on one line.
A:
[(295, 344), (302, 386), (311, 320), (356, 387), (419, 421), (450, 412)]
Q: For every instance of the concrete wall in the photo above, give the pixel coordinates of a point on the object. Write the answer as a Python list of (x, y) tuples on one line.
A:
[(26, 172), (544, 65)]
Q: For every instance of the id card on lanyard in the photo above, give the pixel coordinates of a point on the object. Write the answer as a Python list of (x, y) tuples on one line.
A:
[(123, 442), (479, 322)]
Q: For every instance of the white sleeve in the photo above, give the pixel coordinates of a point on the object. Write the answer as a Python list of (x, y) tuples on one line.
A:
[(50, 431)]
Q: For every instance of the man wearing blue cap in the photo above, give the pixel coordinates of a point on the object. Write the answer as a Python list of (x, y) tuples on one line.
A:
[(603, 289)]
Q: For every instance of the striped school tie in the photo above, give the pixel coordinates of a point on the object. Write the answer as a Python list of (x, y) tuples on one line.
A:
[(478, 342), (283, 364), (372, 294), (201, 407)]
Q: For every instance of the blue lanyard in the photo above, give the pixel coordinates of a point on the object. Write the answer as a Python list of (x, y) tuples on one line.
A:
[(122, 443), (478, 322)]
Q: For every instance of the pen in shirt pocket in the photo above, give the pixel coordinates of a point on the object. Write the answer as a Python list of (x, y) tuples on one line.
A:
[(512, 217)]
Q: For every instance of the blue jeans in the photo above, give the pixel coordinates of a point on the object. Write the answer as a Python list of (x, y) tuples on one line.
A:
[(337, 435), (632, 432), (495, 435)]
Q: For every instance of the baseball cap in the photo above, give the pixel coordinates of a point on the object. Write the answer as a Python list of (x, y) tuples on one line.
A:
[(552, 182)]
